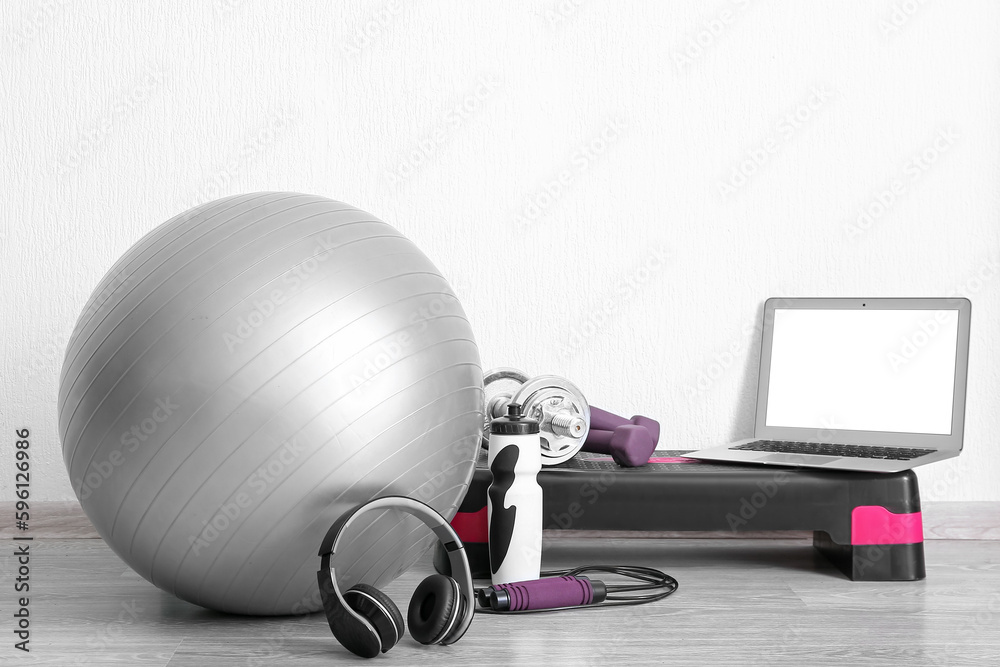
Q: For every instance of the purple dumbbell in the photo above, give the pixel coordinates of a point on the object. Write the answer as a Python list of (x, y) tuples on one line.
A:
[(629, 445), (603, 420)]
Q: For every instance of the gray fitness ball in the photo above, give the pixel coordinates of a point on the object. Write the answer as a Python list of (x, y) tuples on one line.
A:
[(249, 371)]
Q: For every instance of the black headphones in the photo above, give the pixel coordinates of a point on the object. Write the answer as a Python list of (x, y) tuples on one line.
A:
[(365, 620)]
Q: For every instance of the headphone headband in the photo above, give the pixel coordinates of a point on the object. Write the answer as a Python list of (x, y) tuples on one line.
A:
[(333, 600), (427, 514)]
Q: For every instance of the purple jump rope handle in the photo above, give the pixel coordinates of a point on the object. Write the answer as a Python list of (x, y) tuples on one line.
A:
[(602, 420), (548, 593)]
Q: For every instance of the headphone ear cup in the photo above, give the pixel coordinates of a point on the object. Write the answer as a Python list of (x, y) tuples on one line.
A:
[(380, 611), (433, 609)]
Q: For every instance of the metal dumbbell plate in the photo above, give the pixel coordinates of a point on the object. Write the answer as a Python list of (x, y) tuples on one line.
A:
[(499, 385), (548, 396)]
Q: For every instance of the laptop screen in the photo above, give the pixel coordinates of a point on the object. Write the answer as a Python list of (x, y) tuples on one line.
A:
[(863, 369)]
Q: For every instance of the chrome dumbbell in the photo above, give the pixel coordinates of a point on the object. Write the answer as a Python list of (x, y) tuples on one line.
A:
[(560, 408)]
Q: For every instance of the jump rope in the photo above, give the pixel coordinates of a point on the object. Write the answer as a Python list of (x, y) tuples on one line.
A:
[(560, 590), (514, 502)]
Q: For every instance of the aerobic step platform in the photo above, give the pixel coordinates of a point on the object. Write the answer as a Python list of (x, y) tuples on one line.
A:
[(868, 524)]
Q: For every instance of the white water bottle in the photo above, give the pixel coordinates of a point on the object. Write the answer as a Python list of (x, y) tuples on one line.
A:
[(514, 499)]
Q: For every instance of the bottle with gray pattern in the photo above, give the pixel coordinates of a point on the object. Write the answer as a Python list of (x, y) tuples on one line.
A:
[(514, 499)]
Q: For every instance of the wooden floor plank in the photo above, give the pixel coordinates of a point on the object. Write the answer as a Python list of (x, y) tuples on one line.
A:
[(753, 602)]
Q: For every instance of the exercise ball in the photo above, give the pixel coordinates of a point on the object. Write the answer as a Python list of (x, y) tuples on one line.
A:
[(249, 371)]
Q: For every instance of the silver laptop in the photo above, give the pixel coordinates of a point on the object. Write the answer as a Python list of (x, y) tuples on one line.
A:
[(874, 385)]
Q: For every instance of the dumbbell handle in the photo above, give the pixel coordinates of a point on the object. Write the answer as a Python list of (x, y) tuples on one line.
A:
[(563, 423), (567, 424), (603, 420), (498, 406), (598, 442)]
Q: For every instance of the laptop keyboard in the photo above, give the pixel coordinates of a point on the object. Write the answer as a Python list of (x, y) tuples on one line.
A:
[(832, 449)]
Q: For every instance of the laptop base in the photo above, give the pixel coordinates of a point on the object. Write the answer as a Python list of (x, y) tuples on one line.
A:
[(731, 453)]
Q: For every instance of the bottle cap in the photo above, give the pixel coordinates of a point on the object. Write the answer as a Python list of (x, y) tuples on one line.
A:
[(514, 423)]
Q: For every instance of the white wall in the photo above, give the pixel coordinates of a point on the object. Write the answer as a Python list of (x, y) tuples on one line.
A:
[(569, 155)]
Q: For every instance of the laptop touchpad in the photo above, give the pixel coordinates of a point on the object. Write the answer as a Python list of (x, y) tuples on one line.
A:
[(799, 459)]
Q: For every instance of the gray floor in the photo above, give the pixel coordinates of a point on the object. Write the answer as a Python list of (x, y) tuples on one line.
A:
[(741, 602)]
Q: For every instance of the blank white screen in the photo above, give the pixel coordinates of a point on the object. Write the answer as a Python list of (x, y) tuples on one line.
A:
[(866, 370)]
